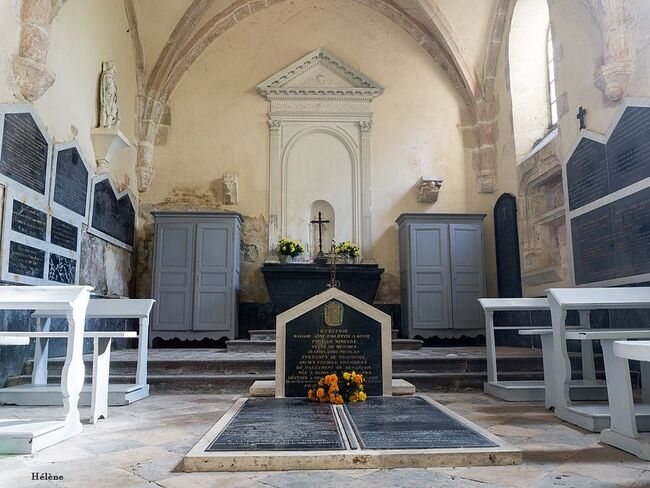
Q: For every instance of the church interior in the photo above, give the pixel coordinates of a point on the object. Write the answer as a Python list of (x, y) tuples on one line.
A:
[(305, 243)]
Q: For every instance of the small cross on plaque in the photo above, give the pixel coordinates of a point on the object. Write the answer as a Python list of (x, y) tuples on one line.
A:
[(581, 117)]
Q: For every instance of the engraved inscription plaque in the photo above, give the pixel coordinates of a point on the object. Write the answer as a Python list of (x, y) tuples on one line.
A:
[(325, 340), (586, 172), (628, 148), (409, 423), (280, 424), (23, 156), (613, 241), (28, 220), (26, 260), (71, 181), (112, 216), (62, 269), (64, 234)]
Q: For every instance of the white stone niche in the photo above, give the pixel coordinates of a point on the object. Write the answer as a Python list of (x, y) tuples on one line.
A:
[(378, 319), (320, 129)]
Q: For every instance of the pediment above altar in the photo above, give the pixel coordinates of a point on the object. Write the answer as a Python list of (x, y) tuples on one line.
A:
[(320, 75)]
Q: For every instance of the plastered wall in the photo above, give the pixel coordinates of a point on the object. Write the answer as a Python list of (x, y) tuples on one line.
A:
[(219, 125)]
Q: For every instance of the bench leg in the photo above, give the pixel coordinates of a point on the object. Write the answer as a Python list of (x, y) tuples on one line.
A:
[(490, 347), (619, 392), (587, 347), (101, 365), (547, 360), (143, 348), (41, 354)]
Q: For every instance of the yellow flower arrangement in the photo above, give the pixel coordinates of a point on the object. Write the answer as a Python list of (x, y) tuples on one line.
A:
[(330, 389), (288, 247), (348, 249)]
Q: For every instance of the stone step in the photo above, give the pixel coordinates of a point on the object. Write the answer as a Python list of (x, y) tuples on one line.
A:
[(265, 364), (269, 334), (256, 345), (240, 383)]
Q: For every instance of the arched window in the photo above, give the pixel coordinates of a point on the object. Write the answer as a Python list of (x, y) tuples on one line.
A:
[(532, 75), (552, 91)]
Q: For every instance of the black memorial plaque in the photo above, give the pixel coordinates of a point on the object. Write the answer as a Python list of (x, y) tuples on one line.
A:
[(64, 234), (628, 148), (62, 269), (71, 181), (23, 157), (586, 172), (315, 349), (26, 260), (613, 241), (592, 236), (113, 217), (28, 220), (631, 217), (409, 423), (280, 424)]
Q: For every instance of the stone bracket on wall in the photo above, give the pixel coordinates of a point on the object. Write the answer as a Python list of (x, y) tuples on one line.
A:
[(106, 143)]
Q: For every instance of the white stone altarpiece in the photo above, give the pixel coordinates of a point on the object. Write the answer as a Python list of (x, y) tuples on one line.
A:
[(320, 128)]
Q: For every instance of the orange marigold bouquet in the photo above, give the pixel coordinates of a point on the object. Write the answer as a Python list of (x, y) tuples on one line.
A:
[(331, 389)]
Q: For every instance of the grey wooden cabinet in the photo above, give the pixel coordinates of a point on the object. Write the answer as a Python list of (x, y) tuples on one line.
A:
[(196, 274), (441, 273)]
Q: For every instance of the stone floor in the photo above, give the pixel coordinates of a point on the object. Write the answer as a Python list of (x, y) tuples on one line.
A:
[(142, 445)]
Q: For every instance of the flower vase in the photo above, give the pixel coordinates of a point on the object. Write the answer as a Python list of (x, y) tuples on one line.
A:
[(349, 260), (285, 259)]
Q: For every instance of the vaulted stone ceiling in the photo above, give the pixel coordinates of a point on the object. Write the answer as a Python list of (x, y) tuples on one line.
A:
[(462, 36)]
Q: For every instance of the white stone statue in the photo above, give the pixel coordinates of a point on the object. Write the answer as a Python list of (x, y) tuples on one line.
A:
[(230, 190), (109, 117)]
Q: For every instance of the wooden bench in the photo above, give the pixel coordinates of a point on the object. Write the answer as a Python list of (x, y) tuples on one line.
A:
[(100, 394), (532, 390), (18, 436), (623, 432), (591, 415)]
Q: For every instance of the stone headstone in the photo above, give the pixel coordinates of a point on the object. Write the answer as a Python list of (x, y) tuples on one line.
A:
[(610, 238), (507, 247), (330, 333)]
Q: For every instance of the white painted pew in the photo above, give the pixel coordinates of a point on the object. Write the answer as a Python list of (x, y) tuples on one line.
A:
[(590, 415), (623, 432), (532, 390), (28, 436), (14, 341), (101, 393)]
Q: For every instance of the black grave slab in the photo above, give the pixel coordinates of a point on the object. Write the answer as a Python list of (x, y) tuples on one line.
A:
[(26, 260), (23, 157), (64, 234), (315, 349), (409, 423), (28, 220), (71, 181), (592, 236), (507, 246), (112, 216), (586, 172), (631, 218), (280, 424), (62, 269), (628, 148)]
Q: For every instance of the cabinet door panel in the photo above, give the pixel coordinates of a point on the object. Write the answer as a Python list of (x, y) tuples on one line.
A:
[(468, 283), (173, 277), (429, 280), (212, 308)]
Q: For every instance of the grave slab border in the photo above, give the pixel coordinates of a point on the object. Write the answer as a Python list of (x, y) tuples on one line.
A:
[(198, 460)]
